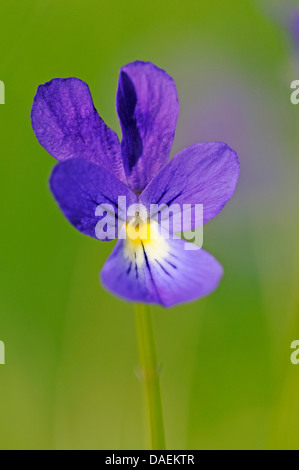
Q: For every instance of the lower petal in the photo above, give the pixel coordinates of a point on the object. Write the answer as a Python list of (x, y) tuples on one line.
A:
[(160, 271)]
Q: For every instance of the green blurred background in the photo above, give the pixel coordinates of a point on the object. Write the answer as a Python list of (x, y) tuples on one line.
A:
[(70, 376)]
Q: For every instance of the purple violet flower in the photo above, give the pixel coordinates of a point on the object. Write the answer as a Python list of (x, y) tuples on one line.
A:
[(293, 25), (95, 169)]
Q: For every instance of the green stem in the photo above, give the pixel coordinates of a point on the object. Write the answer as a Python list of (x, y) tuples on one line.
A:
[(150, 374)]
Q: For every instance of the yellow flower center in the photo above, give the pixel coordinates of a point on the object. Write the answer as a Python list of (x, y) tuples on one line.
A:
[(143, 236), (139, 231)]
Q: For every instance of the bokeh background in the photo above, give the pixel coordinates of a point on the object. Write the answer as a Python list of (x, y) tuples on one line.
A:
[(227, 381)]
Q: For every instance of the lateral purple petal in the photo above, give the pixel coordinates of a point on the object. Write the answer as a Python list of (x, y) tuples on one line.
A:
[(81, 187), (67, 125), (148, 109), (205, 173), (177, 276)]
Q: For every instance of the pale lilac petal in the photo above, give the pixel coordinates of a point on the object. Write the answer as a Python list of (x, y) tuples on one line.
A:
[(165, 274)]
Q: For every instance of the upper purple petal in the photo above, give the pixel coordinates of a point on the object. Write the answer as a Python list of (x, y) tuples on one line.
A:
[(205, 173), (80, 187), (167, 275), (67, 125), (148, 109)]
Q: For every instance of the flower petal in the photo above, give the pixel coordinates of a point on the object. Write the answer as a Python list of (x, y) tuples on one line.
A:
[(148, 109), (163, 273), (80, 187), (205, 173), (67, 125)]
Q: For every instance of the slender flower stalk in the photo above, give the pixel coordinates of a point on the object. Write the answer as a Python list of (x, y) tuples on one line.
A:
[(150, 374)]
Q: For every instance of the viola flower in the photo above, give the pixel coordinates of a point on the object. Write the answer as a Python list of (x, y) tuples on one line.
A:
[(293, 26), (95, 169)]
